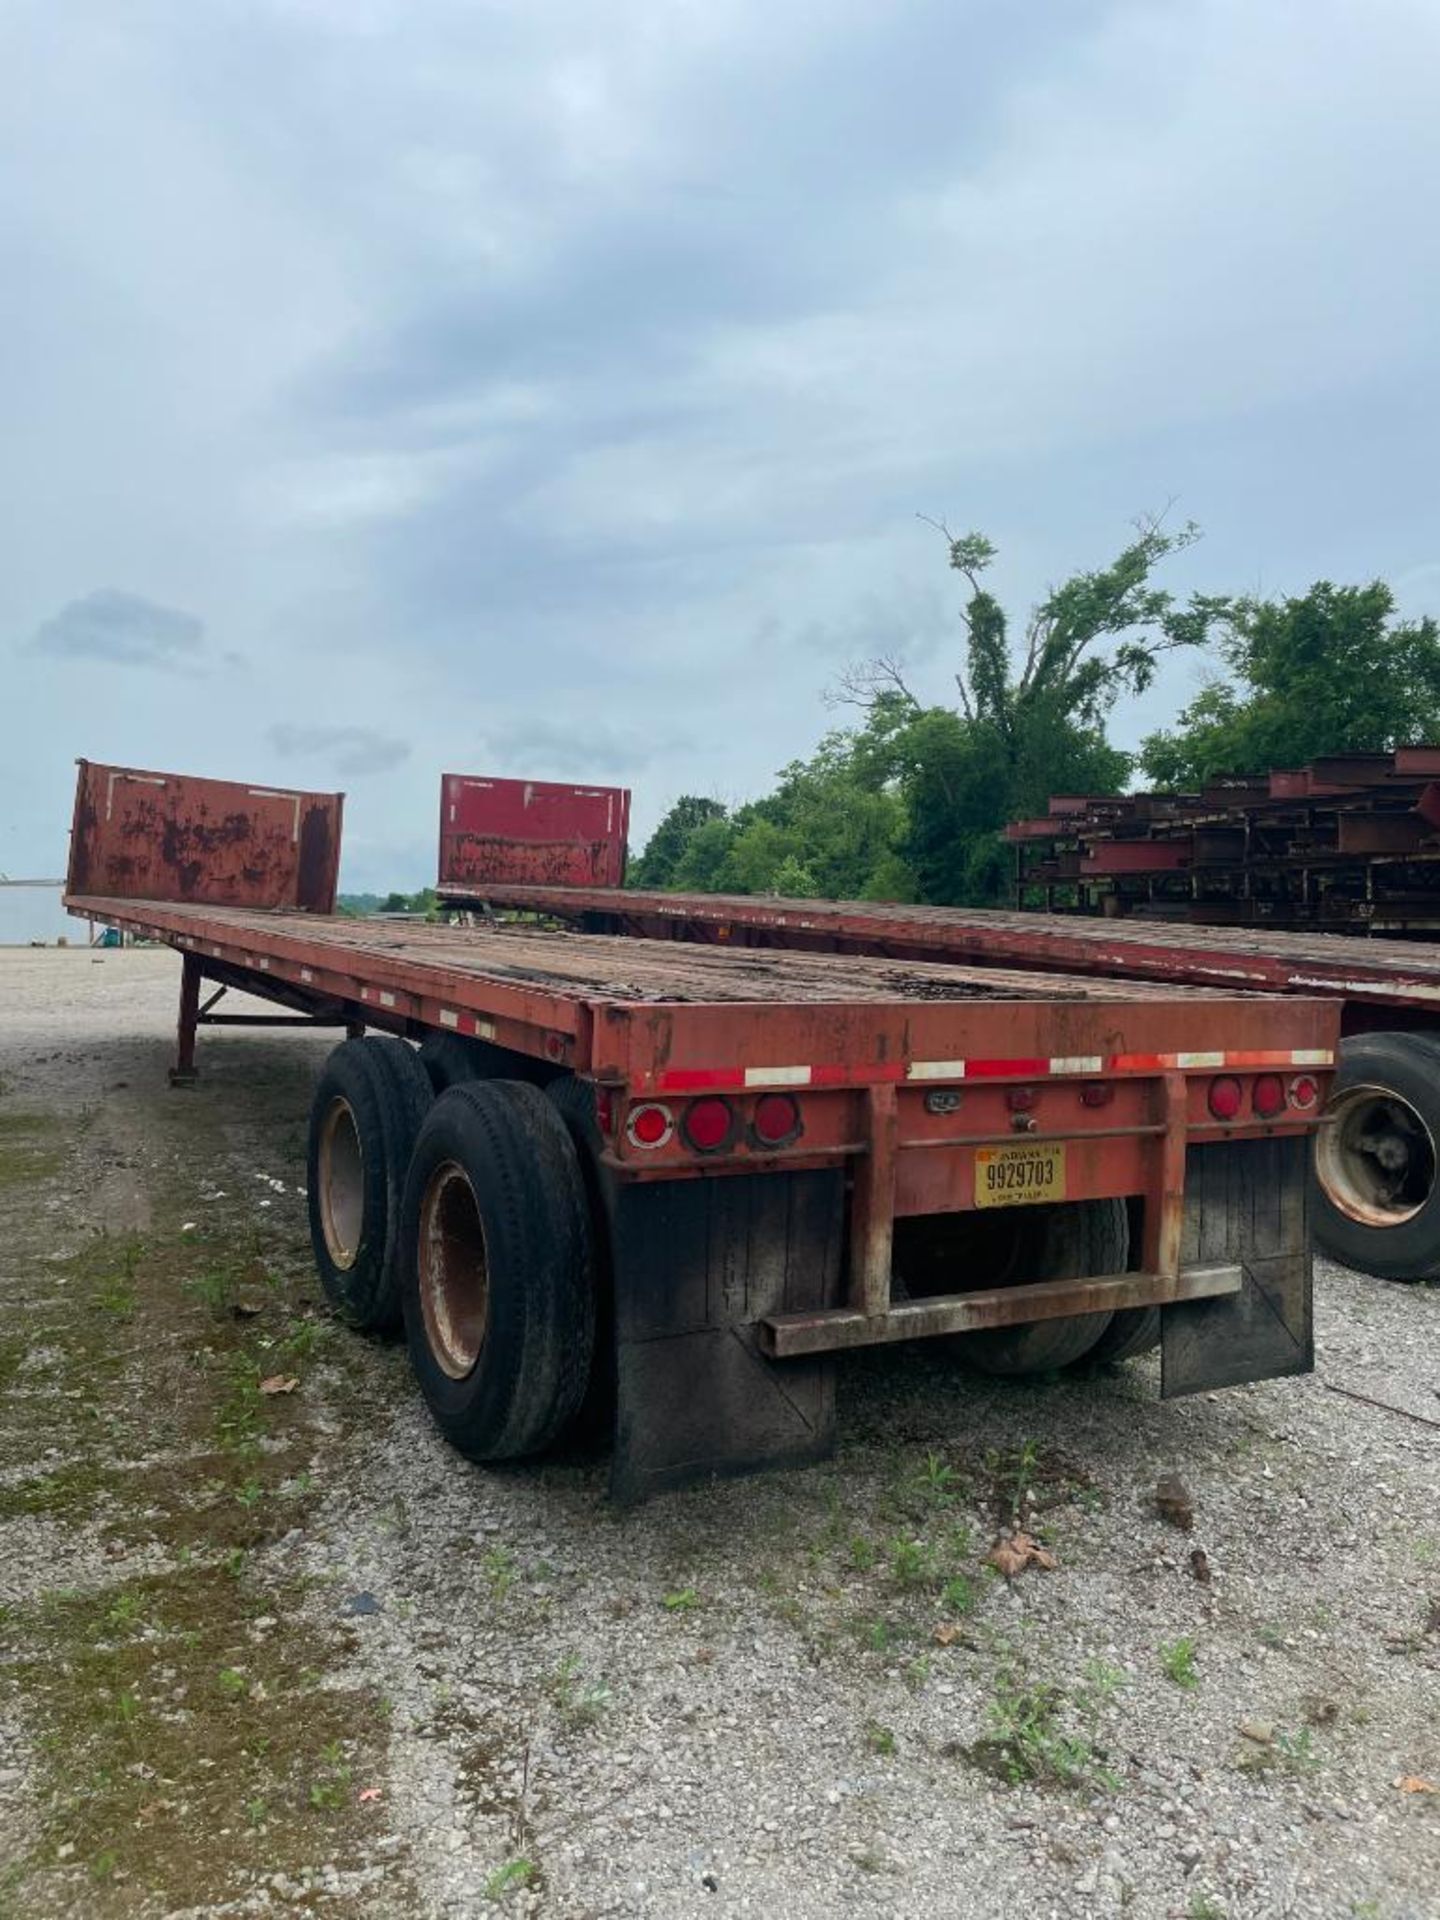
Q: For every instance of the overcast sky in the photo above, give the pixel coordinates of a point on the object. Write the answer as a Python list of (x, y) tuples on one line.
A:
[(390, 386)]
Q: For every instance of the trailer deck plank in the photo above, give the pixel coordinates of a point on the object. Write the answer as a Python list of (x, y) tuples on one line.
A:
[(596, 968), (1379, 972)]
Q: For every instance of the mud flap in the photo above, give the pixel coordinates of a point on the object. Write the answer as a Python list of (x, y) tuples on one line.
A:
[(1246, 1204), (697, 1263)]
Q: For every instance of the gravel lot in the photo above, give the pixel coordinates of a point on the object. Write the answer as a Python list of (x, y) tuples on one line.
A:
[(270, 1647)]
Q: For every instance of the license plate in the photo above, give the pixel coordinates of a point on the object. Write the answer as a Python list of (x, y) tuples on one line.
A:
[(1019, 1176)]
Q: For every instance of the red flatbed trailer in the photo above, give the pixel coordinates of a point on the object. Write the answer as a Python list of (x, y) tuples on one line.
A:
[(690, 1176), (1377, 1159)]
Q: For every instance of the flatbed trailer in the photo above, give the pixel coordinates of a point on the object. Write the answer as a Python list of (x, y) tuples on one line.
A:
[(671, 1182), (1377, 1159)]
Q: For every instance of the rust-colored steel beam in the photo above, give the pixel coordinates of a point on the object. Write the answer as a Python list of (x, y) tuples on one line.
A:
[(790, 1335), (872, 1209)]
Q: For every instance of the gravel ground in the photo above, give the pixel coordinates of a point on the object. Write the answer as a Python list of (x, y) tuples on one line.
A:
[(805, 1692)]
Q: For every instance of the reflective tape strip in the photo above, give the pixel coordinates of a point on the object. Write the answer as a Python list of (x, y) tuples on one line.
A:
[(777, 1076), (1312, 1057), (1202, 1060), (1005, 1069), (1078, 1063), (935, 1070), (449, 1017)]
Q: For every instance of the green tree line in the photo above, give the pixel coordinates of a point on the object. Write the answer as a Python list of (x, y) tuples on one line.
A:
[(908, 802)]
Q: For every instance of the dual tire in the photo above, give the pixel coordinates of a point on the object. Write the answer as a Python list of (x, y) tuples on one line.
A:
[(464, 1217)]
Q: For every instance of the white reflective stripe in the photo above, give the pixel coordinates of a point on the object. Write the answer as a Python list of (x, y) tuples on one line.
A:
[(386, 999), (449, 1017), (1312, 1057), (1200, 1059), (485, 1028), (777, 1076), (306, 974), (1078, 1063), (935, 1070)]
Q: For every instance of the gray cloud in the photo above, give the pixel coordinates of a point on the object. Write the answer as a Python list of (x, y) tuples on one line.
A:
[(561, 750), (569, 388), (352, 751), (109, 624)]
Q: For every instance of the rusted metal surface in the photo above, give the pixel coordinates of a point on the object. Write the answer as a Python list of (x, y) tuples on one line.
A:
[(1165, 1221), (1349, 844), (792, 1334), (872, 1204), (1379, 973), (535, 831), (171, 837)]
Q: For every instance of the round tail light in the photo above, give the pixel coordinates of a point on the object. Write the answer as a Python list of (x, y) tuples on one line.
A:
[(1096, 1093), (776, 1119), (1304, 1091), (707, 1124), (1225, 1097), (1268, 1095), (650, 1125)]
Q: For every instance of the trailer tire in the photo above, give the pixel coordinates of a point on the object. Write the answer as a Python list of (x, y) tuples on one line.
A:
[(574, 1100), (451, 1059), (1377, 1158), (1131, 1332), (367, 1110), (496, 1269), (1088, 1236)]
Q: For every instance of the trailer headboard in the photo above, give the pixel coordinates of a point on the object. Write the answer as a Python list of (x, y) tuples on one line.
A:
[(530, 833), (170, 836)]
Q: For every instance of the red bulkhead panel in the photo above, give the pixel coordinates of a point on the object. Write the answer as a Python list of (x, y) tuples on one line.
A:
[(165, 836), (531, 833)]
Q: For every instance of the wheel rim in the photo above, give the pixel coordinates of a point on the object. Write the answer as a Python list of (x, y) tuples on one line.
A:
[(342, 1183), (1375, 1157), (454, 1271)]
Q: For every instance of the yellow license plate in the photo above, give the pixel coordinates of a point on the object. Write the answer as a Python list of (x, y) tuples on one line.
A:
[(1019, 1176)]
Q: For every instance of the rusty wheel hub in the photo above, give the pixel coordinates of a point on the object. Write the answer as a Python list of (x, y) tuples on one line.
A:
[(453, 1271), (342, 1183), (1376, 1157)]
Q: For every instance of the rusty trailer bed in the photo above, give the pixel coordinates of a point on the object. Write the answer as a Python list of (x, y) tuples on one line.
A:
[(1379, 973), (767, 1136)]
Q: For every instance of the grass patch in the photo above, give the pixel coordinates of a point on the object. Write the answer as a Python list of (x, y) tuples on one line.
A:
[(1177, 1662), (1046, 1735), (159, 1714)]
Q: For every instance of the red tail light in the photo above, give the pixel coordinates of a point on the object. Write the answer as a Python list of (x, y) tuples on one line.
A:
[(707, 1124), (1268, 1095), (650, 1125), (1096, 1093), (1304, 1091), (1225, 1097), (776, 1119)]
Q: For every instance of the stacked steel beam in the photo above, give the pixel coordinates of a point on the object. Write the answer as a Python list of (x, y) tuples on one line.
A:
[(1350, 844)]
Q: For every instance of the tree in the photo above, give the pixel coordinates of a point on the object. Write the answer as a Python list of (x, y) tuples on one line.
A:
[(908, 803), (666, 846), (1332, 671), (1021, 735)]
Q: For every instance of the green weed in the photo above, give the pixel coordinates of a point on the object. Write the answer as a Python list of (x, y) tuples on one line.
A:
[(1177, 1662)]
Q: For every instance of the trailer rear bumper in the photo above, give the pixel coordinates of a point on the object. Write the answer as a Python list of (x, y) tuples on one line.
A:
[(787, 1336)]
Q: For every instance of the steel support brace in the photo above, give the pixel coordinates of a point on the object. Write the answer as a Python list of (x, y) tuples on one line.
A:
[(785, 1336), (1165, 1202), (182, 1074), (872, 1206)]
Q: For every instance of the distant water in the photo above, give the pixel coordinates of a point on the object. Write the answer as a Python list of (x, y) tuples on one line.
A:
[(35, 913)]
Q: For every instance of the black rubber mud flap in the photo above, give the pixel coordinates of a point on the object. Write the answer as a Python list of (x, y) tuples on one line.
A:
[(697, 1264), (1247, 1205)]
